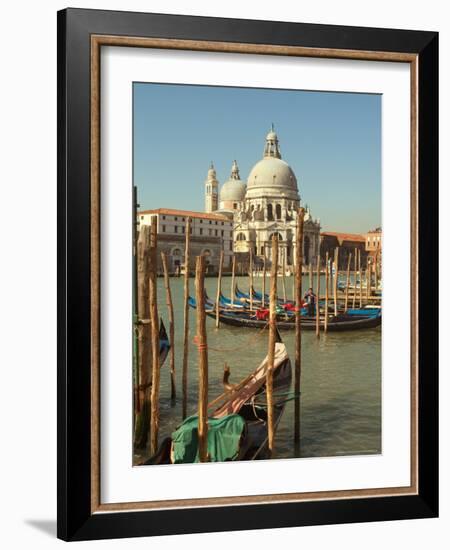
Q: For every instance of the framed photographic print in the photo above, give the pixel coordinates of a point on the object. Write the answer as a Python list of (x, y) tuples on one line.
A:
[(247, 245)]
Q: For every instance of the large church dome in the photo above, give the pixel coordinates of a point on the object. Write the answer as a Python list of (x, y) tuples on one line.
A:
[(233, 190), (272, 176)]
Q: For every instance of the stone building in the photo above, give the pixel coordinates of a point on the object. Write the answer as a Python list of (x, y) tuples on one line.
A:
[(210, 232), (267, 205), (374, 243), (347, 242)]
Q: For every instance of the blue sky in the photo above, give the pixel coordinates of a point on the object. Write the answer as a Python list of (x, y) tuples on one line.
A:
[(331, 140)]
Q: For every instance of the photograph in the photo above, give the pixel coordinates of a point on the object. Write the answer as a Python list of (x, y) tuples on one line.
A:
[(257, 274)]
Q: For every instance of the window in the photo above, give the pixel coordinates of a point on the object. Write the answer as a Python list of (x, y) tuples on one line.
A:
[(210, 222), (280, 238), (222, 223), (216, 223), (164, 217), (215, 232), (262, 251), (164, 228), (240, 237), (234, 205), (210, 231), (231, 245), (269, 212), (222, 232), (278, 211), (183, 219), (175, 229), (142, 217), (175, 218), (201, 230), (201, 221), (183, 229)]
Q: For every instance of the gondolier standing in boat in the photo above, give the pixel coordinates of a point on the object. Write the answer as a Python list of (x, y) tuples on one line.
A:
[(310, 299)]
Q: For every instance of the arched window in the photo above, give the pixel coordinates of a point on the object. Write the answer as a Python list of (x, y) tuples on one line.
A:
[(280, 238), (278, 211), (240, 237), (176, 252), (270, 212)]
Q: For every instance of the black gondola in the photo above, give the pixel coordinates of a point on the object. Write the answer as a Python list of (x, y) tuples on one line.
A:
[(337, 323)]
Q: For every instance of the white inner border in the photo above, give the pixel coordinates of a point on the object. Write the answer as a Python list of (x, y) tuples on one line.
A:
[(120, 482)]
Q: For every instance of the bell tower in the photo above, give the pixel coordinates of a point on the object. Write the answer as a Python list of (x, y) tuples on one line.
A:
[(211, 190)]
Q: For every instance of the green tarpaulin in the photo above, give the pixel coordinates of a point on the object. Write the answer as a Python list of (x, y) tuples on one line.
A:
[(223, 439)]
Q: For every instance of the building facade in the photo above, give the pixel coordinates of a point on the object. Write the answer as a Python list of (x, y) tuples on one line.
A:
[(374, 242), (347, 243), (265, 206), (210, 233)]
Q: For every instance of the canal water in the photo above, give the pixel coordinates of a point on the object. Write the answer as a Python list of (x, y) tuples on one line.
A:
[(340, 384)]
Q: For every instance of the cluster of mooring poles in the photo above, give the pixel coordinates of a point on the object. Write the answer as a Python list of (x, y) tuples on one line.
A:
[(147, 323), (360, 286)]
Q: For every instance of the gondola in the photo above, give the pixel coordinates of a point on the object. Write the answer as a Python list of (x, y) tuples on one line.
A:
[(164, 344), (352, 319), (257, 302), (241, 410), (337, 323)]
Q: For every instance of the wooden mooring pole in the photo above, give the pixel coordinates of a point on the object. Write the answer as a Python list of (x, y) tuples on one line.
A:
[(317, 298), (264, 280), (283, 280), (298, 321), (184, 381), (219, 289), (154, 324), (347, 282), (272, 341), (335, 280), (250, 275), (360, 278), (233, 278), (354, 278), (376, 270), (327, 276), (173, 390), (368, 280), (202, 360), (142, 422)]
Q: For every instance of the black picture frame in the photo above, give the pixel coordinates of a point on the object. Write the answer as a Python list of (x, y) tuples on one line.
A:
[(75, 519)]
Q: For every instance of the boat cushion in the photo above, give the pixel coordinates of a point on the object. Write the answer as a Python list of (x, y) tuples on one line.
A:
[(224, 435)]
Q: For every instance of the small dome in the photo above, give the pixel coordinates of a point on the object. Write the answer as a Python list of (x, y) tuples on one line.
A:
[(234, 188)]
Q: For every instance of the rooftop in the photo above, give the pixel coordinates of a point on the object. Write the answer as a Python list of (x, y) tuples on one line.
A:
[(186, 213), (344, 236)]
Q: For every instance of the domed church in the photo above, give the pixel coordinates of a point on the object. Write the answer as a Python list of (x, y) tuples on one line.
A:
[(266, 205)]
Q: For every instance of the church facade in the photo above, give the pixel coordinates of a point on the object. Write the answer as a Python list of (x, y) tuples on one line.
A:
[(265, 205)]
